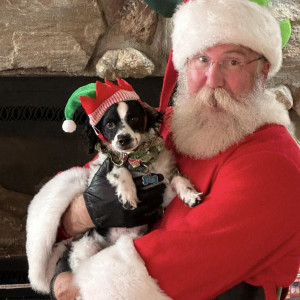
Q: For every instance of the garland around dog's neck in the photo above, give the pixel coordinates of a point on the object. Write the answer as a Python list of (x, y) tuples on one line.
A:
[(146, 153)]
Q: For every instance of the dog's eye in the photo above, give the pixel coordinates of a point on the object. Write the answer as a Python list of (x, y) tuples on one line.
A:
[(110, 125), (134, 119)]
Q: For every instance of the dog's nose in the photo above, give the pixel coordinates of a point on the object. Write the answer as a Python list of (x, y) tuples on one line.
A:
[(124, 139)]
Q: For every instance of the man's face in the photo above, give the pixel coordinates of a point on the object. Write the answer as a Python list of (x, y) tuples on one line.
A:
[(238, 82), (217, 105)]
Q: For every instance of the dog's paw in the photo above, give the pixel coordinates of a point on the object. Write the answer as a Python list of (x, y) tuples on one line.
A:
[(191, 197), (129, 206), (125, 187), (129, 199), (186, 191)]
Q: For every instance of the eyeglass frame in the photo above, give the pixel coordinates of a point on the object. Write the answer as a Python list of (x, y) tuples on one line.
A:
[(221, 62)]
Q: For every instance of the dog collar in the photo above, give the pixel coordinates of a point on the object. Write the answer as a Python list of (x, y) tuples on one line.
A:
[(146, 152), (141, 157)]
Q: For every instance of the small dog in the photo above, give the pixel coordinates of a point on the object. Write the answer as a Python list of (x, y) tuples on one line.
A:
[(132, 142)]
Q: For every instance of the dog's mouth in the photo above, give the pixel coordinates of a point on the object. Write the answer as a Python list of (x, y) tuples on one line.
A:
[(125, 143)]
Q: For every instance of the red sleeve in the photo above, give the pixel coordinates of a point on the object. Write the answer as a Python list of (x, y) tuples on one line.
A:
[(62, 234), (247, 229)]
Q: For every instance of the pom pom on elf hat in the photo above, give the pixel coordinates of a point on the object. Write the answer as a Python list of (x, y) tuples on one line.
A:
[(74, 103)]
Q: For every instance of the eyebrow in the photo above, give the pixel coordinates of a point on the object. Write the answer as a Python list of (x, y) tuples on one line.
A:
[(236, 51)]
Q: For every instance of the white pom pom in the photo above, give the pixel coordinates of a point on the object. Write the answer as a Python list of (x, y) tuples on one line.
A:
[(69, 126)]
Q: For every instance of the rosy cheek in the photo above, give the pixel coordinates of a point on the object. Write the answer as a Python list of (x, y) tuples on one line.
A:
[(240, 86), (195, 81)]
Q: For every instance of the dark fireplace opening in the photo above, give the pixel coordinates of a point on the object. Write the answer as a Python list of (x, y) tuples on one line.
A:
[(33, 148)]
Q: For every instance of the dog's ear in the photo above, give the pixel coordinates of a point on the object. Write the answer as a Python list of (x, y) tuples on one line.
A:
[(90, 138), (154, 118)]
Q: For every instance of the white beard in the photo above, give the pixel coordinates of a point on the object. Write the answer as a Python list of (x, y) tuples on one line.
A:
[(205, 124)]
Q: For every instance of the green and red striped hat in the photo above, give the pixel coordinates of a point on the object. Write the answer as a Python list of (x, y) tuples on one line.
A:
[(95, 99)]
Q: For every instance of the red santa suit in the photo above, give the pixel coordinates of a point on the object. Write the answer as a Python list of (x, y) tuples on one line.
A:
[(246, 230)]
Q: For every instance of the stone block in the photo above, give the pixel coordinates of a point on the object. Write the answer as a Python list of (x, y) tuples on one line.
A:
[(138, 21), (124, 63), (57, 35)]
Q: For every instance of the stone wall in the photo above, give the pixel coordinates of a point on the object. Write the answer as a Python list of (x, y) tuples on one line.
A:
[(105, 38), (109, 38), (290, 71)]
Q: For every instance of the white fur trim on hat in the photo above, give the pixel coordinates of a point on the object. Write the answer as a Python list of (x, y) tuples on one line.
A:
[(201, 24)]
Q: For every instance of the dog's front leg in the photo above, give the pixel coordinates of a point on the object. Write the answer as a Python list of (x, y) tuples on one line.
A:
[(120, 178), (184, 189)]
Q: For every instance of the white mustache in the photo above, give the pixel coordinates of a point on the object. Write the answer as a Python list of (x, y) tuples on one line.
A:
[(214, 98)]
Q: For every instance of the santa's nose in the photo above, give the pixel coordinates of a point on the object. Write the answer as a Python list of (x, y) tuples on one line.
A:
[(214, 76)]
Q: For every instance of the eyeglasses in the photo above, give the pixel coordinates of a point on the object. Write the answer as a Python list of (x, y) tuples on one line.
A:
[(227, 65)]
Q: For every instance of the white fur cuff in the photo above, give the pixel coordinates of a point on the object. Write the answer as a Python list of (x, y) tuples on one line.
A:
[(44, 214), (117, 272)]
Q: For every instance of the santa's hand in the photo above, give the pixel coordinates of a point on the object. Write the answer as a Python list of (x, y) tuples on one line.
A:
[(106, 210), (61, 285)]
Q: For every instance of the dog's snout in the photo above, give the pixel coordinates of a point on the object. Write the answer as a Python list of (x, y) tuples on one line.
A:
[(124, 139)]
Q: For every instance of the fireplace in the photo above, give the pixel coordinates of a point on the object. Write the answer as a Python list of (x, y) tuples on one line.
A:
[(33, 148)]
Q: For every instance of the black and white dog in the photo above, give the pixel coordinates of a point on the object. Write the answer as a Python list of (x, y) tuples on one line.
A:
[(132, 142)]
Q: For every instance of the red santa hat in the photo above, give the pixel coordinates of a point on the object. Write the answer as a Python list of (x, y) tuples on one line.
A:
[(200, 24)]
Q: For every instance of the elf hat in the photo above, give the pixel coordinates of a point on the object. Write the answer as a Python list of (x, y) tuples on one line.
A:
[(96, 98), (201, 24)]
